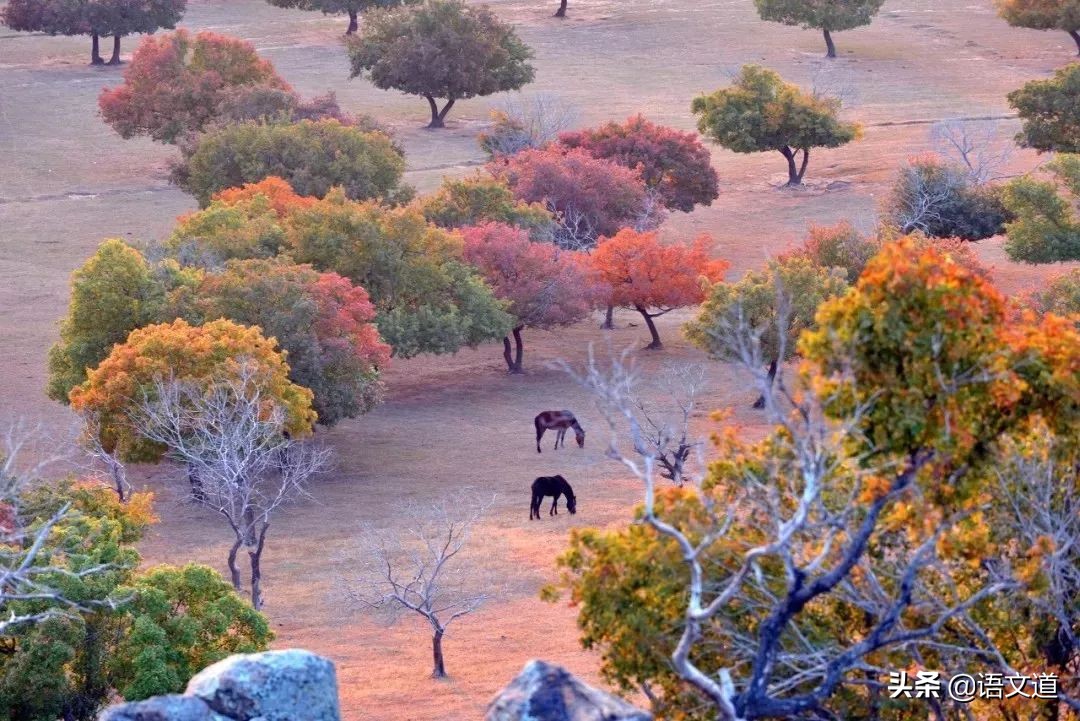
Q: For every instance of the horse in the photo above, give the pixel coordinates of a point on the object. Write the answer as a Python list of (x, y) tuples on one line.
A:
[(551, 486), (558, 421)]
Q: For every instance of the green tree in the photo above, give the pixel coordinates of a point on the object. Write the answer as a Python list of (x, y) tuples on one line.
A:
[(312, 156), (113, 293), (1050, 111), (777, 303), (1043, 15), (428, 299), (464, 202), (1061, 295), (760, 112), (442, 49), (829, 16), (1046, 227)]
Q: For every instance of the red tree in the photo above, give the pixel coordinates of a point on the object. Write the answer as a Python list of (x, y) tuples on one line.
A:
[(654, 279), (176, 82), (589, 197), (674, 164), (546, 287)]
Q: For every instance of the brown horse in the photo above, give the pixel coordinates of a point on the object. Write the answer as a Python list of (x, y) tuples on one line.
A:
[(558, 421)]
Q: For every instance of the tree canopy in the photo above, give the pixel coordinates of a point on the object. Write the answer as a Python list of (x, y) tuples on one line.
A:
[(653, 278), (312, 156), (179, 351), (828, 16), (545, 287), (672, 163), (1045, 226), (427, 298), (177, 82), (441, 49), (1050, 111), (461, 202), (338, 7), (95, 18), (589, 197), (761, 112), (1043, 15)]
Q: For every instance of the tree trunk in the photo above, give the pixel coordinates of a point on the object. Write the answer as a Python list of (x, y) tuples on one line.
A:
[(829, 44), (760, 402), (255, 557), (115, 59), (439, 670), (508, 355), (354, 25), (234, 570), (438, 116), (561, 12), (795, 171), (519, 348), (609, 319), (805, 162), (655, 344), (196, 484), (95, 50)]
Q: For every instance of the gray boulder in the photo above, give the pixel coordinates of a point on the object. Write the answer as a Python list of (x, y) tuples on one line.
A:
[(162, 708), (290, 685), (545, 692)]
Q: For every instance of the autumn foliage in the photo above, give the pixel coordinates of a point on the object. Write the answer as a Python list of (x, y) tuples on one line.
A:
[(653, 278), (176, 82), (673, 163), (545, 287), (183, 352)]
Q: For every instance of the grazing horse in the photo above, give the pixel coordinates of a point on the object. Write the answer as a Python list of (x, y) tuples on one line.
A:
[(551, 486), (558, 421)]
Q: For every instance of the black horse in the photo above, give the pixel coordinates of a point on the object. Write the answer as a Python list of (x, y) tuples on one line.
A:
[(551, 486)]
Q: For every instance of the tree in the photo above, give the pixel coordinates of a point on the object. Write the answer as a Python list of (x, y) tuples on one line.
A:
[(113, 293), (672, 163), (147, 633), (1060, 295), (236, 436), (588, 197), (1050, 112), (544, 286), (96, 18), (421, 571), (829, 16), (462, 202), (176, 84), (1045, 228), (836, 246), (335, 7), (761, 112), (427, 298), (321, 321), (312, 156), (201, 355), (777, 304), (940, 200), (523, 123), (442, 49), (654, 279), (866, 532), (1043, 15)]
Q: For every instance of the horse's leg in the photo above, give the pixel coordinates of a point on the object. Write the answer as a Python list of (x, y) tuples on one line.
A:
[(554, 506), (534, 507), (559, 436), (539, 434)]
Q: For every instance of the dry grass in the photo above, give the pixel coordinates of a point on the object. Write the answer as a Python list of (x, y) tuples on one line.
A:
[(68, 182)]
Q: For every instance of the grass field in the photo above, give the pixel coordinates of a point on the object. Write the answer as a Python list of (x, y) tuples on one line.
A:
[(67, 182)]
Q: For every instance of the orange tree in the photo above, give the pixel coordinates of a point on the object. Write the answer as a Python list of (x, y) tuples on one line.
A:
[(179, 351), (654, 279), (908, 506)]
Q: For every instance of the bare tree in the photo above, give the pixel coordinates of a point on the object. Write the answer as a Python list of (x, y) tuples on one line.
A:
[(231, 436), (524, 122), (667, 436), (809, 512), (91, 443), (26, 575), (921, 197), (977, 145), (420, 570)]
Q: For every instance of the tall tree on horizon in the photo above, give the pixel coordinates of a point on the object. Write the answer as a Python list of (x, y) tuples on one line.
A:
[(1043, 15), (828, 16), (337, 7)]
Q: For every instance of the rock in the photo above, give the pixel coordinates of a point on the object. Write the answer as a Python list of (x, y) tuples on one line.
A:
[(289, 685), (545, 692), (162, 708)]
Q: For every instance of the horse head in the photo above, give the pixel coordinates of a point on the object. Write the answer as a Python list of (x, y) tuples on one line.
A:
[(571, 504), (579, 436)]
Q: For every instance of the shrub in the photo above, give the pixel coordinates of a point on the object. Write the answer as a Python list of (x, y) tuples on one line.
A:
[(940, 200)]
